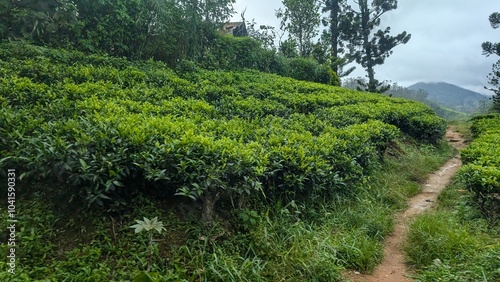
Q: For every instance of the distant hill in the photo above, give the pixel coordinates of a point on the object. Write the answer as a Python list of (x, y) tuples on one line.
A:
[(452, 96)]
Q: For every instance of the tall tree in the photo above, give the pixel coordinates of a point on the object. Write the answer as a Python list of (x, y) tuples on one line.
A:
[(490, 48), (336, 23), (266, 34), (168, 30), (200, 20), (288, 48), (367, 45), (117, 27), (301, 19), (41, 21)]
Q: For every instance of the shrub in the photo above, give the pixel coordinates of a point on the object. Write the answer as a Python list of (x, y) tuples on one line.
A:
[(481, 159), (108, 129), (302, 69), (324, 74)]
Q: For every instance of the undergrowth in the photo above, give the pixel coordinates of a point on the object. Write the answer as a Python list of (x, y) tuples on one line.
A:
[(275, 240), (455, 242)]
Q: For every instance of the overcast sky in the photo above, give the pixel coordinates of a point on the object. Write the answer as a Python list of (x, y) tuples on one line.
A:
[(445, 45)]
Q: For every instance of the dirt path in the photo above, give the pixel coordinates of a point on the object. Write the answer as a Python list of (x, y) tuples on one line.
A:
[(392, 267)]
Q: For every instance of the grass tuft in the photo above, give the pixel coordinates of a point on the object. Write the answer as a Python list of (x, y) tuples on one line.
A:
[(454, 242), (311, 240), (435, 236)]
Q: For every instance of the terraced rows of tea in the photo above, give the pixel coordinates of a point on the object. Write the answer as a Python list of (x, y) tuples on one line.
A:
[(107, 128), (481, 171)]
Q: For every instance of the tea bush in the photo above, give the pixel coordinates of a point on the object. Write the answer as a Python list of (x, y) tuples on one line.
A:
[(481, 173), (110, 128)]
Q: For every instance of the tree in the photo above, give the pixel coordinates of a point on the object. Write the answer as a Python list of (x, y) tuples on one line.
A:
[(123, 27), (490, 48), (168, 30), (40, 21), (494, 81), (288, 48), (301, 19), (198, 23), (369, 47), (336, 22), (320, 52), (266, 34)]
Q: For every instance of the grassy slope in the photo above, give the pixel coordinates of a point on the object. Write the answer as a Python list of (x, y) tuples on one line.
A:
[(296, 241), (268, 238), (455, 242)]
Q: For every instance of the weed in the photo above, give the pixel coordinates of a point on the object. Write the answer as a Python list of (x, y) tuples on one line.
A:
[(437, 236), (455, 242), (222, 267), (149, 226)]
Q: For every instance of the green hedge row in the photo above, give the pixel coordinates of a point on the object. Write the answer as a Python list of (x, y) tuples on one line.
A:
[(109, 129), (238, 53), (481, 170)]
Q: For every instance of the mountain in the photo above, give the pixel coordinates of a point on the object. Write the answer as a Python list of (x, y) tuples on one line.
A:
[(452, 96)]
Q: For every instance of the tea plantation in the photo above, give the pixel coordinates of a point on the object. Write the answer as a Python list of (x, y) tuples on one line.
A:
[(481, 171), (103, 136)]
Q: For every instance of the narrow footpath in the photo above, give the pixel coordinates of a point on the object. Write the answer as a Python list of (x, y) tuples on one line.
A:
[(393, 267)]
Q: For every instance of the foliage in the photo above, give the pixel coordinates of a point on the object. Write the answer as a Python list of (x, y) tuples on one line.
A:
[(141, 29), (319, 236), (232, 53), (239, 53), (301, 19), (437, 237), (480, 172), (92, 135), (490, 48), (494, 81), (454, 243), (369, 47), (170, 31), (310, 70), (60, 241), (148, 225), (266, 34), (114, 129), (336, 33), (43, 21)]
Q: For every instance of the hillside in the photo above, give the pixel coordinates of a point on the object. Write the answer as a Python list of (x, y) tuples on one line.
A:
[(248, 172), (452, 96)]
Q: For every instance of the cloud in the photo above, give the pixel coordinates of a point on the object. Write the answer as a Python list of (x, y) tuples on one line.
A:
[(445, 44)]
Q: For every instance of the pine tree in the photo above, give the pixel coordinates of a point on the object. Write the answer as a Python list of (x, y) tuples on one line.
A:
[(367, 45), (336, 23), (301, 19), (490, 48)]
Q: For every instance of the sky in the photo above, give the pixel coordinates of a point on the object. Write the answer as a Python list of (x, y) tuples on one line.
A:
[(445, 44)]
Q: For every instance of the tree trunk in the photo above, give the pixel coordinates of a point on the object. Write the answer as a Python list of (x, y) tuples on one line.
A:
[(334, 31), (209, 199), (365, 18), (301, 44)]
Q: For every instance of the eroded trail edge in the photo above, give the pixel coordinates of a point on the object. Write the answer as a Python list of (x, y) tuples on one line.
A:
[(393, 267)]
